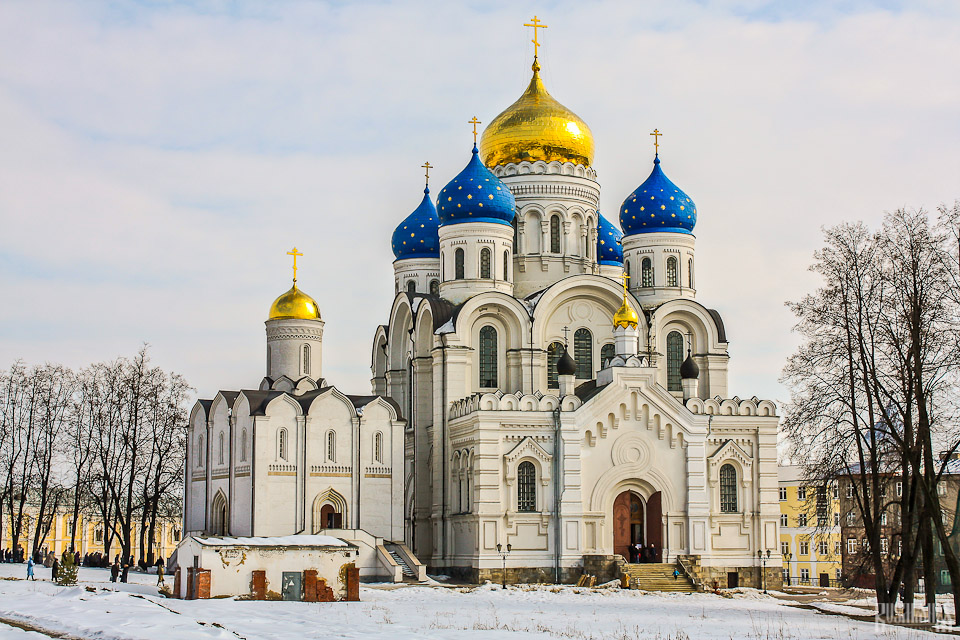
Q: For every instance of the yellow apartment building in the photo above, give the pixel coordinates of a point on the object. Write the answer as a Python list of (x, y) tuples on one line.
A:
[(809, 530)]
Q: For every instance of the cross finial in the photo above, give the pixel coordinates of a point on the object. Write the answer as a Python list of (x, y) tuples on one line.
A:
[(294, 253), (566, 340), (426, 165), (625, 277), (656, 141), (535, 23), (474, 122)]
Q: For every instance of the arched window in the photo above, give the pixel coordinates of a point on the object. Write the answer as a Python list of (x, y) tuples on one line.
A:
[(434, 287), (554, 351), (331, 446), (306, 359), (516, 233), (488, 357), (626, 269), (646, 273), (220, 442), (282, 444), (378, 447), (607, 353), (526, 486), (672, 272), (411, 286), (674, 360), (485, 263), (200, 451), (690, 273), (458, 264), (243, 446), (443, 269), (728, 489), (506, 266), (466, 482), (583, 353), (555, 234)]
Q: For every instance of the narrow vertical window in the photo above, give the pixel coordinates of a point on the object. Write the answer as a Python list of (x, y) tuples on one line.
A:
[(200, 451), (443, 269), (485, 263), (243, 446), (607, 353), (220, 448), (674, 360), (728, 489), (411, 286), (555, 234), (488, 357), (458, 264), (378, 447), (506, 266), (282, 444), (526, 487), (671, 272), (331, 446), (306, 359), (516, 233), (554, 351), (583, 353), (690, 273), (646, 273), (434, 287), (626, 269)]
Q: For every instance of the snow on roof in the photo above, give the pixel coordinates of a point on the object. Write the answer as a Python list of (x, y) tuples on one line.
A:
[(279, 541)]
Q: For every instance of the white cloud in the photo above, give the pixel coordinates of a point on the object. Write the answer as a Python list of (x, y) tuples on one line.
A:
[(159, 160)]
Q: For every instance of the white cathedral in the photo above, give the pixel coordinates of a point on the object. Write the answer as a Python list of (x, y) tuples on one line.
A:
[(523, 394)]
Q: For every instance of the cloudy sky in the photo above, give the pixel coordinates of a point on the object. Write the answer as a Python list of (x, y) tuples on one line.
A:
[(157, 159)]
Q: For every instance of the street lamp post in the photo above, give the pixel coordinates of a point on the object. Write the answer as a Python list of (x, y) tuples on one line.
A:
[(787, 556), (763, 567), (503, 557)]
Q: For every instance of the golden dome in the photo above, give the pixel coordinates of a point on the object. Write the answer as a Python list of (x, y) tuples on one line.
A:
[(536, 127), (625, 316), (294, 305)]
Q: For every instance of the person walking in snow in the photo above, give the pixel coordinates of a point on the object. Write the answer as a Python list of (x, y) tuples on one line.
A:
[(55, 569), (160, 572), (114, 571), (30, 564)]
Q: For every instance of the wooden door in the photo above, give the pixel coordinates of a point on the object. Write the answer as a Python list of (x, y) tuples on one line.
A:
[(621, 525)]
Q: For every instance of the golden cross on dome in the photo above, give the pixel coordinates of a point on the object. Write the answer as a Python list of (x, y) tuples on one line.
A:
[(426, 165), (535, 23), (294, 253), (656, 141), (625, 277), (474, 122)]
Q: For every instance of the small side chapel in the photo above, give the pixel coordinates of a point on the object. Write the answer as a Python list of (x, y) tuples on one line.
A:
[(295, 455)]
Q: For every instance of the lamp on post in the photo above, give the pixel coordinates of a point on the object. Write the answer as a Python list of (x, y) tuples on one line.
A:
[(503, 557), (763, 567), (787, 557)]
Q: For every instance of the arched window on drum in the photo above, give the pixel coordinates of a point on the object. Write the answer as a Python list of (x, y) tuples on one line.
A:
[(646, 273), (488, 357), (672, 280), (583, 353)]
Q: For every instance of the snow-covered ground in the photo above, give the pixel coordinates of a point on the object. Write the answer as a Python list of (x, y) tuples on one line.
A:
[(98, 609)]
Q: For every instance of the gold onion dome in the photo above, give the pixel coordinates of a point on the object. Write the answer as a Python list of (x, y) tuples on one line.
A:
[(536, 127), (294, 305), (625, 316)]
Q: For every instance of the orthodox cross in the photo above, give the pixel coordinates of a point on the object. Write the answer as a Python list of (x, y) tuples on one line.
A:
[(474, 122), (566, 341), (294, 253), (625, 277), (535, 23), (426, 165), (656, 141)]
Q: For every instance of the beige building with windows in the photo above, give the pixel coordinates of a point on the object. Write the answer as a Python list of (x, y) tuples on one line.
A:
[(809, 531)]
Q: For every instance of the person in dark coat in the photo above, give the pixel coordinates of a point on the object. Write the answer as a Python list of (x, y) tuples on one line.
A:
[(55, 570), (114, 571), (652, 553)]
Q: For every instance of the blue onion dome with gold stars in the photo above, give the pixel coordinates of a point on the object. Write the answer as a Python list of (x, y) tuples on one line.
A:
[(476, 195), (609, 249), (657, 205), (418, 235)]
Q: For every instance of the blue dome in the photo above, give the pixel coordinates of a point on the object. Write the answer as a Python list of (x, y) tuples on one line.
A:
[(476, 195), (609, 249), (657, 205), (418, 235)]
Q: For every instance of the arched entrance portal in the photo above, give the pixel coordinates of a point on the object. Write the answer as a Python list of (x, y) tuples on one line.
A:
[(329, 518), (637, 522)]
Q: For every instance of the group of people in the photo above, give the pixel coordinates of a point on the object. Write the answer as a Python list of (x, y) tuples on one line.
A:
[(12, 555), (118, 571), (642, 553)]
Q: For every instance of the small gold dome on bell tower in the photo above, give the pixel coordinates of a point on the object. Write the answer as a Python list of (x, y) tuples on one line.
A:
[(294, 304), (625, 316)]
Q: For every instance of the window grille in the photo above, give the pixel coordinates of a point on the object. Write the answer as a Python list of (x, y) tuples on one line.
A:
[(583, 353), (526, 487), (488, 357), (607, 353), (671, 272), (555, 234), (485, 263), (646, 273), (331, 446), (458, 264), (554, 352), (674, 360), (728, 489)]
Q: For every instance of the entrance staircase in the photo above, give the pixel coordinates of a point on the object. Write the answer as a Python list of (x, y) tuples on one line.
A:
[(394, 551), (657, 576)]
